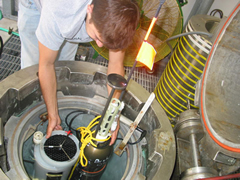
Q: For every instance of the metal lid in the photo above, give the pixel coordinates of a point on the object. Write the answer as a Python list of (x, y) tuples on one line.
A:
[(60, 148), (204, 23), (220, 88)]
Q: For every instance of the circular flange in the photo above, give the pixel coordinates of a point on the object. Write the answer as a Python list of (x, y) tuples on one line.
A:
[(198, 173), (219, 99), (116, 81), (189, 123)]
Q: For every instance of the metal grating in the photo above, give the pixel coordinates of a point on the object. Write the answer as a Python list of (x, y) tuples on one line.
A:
[(60, 148), (10, 59), (10, 63), (141, 75)]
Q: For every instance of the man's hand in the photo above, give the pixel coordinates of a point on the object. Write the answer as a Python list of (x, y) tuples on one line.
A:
[(53, 124), (114, 134)]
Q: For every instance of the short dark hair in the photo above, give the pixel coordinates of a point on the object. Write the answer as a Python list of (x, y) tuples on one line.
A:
[(116, 21)]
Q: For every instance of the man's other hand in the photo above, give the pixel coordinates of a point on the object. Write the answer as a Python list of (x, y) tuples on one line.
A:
[(53, 124), (114, 134)]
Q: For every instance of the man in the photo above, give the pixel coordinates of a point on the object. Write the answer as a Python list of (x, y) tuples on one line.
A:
[(50, 30)]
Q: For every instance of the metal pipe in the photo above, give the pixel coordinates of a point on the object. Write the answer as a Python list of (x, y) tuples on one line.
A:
[(195, 151)]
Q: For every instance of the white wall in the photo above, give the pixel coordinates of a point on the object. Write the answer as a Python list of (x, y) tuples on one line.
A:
[(186, 9), (225, 5)]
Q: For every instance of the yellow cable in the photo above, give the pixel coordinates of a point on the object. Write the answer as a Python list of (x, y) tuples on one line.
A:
[(164, 106), (169, 100), (190, 53), (176, 87), (189, 63), (175, 53), (175, 63), (165, 90), (86, 138), (179, 84), (185, 82)]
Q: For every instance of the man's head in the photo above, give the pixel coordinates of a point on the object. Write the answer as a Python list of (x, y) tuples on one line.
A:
[(112, 23)]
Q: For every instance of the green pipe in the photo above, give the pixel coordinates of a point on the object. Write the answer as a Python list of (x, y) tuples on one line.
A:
[(8, 31)]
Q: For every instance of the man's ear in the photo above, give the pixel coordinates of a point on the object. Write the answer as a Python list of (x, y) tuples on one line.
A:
[(90, 8)]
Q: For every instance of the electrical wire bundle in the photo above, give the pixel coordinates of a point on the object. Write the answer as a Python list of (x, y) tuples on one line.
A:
[(219, 11), (86, 136)]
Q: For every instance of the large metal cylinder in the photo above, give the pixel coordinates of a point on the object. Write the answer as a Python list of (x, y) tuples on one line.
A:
[(220, 87), (218, 115)]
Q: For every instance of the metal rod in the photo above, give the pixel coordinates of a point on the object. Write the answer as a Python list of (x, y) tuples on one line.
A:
[(159, 7), (128, 79), (195, 151), (121, 146)]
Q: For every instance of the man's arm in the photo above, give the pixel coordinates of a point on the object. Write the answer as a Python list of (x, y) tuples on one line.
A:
[(47, 78), (115, 65)]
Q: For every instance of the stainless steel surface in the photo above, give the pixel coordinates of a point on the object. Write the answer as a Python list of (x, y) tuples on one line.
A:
[(199, 173), (83, 85), (189, 133), (189, 123), (195, 151), (222, 158), (220, 100)]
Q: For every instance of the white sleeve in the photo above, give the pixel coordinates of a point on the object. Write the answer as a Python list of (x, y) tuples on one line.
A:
[(48, 33)]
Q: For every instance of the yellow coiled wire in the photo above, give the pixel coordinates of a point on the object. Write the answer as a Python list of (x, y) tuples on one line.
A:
[(86, 138)]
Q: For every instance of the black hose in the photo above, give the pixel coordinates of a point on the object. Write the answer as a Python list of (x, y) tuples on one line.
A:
[(79, 112), (1, 46), (213, 12), (143, 134)]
